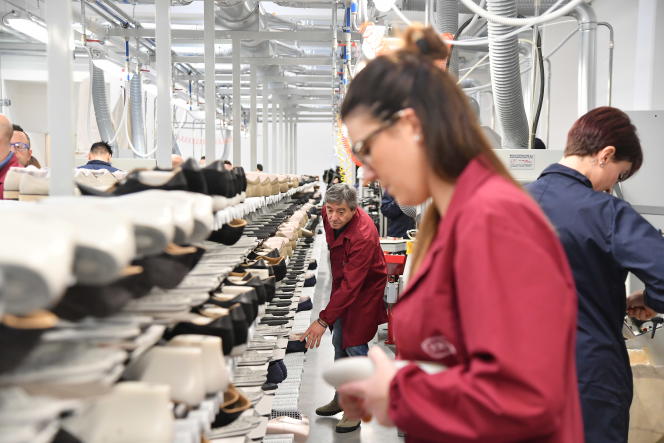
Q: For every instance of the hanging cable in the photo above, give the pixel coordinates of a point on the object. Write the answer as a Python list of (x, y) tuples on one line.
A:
[(540, 101)]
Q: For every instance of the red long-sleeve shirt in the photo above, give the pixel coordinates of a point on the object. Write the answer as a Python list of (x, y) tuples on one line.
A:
[(494, 301)]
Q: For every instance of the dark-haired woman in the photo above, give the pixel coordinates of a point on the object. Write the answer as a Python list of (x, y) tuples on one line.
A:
[(491, 296), (604, 238)]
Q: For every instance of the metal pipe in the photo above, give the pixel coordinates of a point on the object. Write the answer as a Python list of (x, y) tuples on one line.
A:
[(587, 57), (611, 48)]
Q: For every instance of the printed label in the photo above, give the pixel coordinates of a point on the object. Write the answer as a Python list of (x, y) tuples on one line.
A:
[(522, 161)]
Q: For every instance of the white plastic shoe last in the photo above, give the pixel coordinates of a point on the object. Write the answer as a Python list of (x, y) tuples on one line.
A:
[(154, 227), (12, 180), (37, 268), (202, 212), (214, 365), (104, 239), (132, 412), (180, 368), (182, 210)]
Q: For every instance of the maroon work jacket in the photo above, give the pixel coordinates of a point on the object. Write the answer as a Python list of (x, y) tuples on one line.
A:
[(494, 301), (359, 276)]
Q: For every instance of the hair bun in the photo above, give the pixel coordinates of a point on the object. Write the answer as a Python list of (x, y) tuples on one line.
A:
[(424, 42)]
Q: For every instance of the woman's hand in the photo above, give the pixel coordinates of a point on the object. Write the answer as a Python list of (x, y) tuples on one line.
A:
[(370, 397), (637, 308)]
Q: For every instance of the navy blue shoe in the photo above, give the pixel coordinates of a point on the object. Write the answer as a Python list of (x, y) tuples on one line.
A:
[(305, 306), (312, 265), (296, 346)]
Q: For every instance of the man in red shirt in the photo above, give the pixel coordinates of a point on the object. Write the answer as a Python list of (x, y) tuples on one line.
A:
[(8, 158), (359, 275)]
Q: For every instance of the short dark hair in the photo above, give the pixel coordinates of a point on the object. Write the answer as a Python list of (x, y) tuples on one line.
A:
[(101, 148), (259, 167), (602, 127), (17, 128), (226, 162)]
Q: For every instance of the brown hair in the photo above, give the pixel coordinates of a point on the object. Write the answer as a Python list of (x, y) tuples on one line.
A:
[(602, 127), (407, 78)]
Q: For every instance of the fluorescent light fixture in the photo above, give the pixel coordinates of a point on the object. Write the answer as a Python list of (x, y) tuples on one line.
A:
[(28, 26)]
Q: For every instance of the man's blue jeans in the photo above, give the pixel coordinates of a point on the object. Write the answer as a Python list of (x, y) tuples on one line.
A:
[(337, 341)]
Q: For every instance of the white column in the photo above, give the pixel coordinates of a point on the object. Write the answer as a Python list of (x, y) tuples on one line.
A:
[(264, 115), (60, 97), (284, 143), (273, 149), (644, 56), (237, 105), (295, 148), (253, 122), (164, 83), (210, 96)]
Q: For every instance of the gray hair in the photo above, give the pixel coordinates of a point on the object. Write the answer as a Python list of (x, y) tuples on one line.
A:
[(341, 193)]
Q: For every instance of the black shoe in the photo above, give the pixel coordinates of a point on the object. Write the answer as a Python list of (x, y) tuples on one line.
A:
[(194, 176)]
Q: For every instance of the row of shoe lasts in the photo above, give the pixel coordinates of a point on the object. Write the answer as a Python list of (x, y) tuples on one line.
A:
[(30, 183), (190, 395), (156, 218), (262, 184)]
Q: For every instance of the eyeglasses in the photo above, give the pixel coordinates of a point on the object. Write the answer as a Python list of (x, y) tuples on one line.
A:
[(20, 146), (624, 176), (362, 148)]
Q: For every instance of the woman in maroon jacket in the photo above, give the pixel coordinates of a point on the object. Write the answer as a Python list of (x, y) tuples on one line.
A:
[(491, 295)]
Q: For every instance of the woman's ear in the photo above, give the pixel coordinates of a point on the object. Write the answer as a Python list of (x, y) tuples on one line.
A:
[(607, 154), (413, 121)]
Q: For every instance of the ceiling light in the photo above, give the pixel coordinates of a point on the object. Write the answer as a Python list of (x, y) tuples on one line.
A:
[(27, 25)]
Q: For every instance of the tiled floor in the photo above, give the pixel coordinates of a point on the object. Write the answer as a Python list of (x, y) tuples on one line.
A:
[(314, 392)]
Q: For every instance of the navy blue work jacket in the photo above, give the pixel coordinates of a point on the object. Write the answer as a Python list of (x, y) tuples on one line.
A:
[(98, 164), (398, 223), (604, 238)]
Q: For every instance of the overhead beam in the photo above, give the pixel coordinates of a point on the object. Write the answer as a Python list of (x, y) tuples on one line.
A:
[(197, 35), (258, 61)]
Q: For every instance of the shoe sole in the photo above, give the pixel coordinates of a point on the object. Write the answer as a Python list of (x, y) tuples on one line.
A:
[(344, 429), (328, 414)]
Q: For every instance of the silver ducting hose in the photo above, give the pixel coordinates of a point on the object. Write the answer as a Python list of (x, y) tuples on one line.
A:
[(523, 7), (506, 78), (136, 107), (447, 20), (102, 114)]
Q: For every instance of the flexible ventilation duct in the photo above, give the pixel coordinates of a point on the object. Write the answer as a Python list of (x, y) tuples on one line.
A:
[(136, 107), (506, 78), (102, 114), (238, 14), (447, 20)]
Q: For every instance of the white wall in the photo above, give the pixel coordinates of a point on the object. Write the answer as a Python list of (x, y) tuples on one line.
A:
[(315, 144), (624, 18)]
